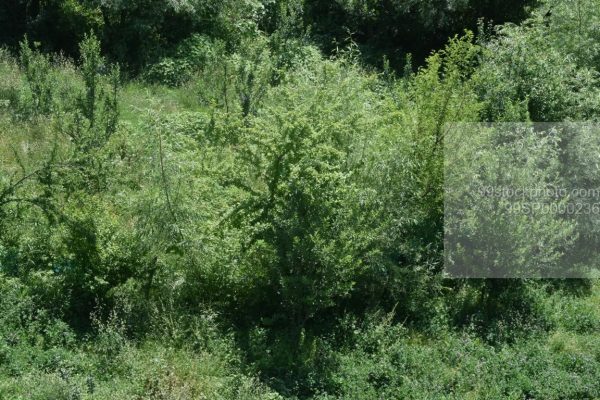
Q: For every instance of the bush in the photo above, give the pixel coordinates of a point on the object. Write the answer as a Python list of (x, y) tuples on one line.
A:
[(170, 72)]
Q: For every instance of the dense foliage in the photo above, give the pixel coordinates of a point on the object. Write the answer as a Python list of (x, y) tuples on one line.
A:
[(136, 32), (226, 200)]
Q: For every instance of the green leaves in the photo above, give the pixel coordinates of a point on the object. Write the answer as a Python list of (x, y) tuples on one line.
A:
[(261, 193), (39, 77)]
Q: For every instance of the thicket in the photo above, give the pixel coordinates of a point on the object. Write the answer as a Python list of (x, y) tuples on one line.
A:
[(138, 32), (252, 219)]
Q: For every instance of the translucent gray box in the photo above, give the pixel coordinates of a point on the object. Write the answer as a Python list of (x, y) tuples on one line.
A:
[(522, 200)]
